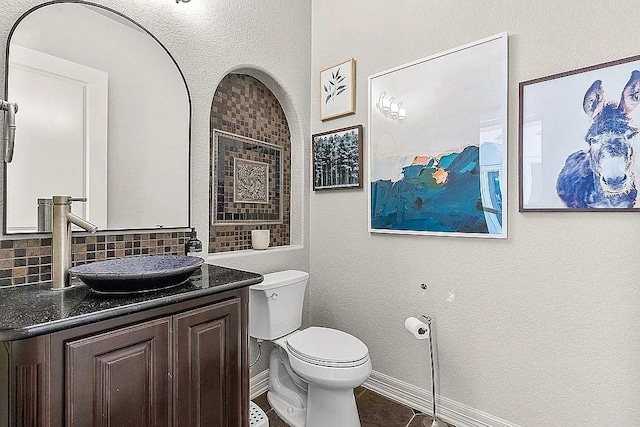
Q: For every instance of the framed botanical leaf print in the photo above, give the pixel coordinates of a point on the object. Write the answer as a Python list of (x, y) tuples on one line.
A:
[(338, 90)]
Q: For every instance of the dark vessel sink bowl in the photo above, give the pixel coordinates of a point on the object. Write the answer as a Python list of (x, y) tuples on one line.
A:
[(137, 274)]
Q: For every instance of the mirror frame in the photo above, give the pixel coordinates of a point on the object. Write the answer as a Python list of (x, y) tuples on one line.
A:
[(6, 235)]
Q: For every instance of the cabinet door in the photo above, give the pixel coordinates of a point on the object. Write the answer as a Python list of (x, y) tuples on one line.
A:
[(120, 378), (208, 366)]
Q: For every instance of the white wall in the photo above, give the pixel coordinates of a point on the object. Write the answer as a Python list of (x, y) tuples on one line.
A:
[(539, 329), (209, 39)]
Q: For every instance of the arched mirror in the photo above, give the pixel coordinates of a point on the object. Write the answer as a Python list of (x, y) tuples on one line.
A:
[(104, 113)]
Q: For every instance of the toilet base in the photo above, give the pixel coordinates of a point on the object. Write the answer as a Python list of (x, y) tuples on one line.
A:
[(315, 401), (326, 407), (331, 407), (291, 415)]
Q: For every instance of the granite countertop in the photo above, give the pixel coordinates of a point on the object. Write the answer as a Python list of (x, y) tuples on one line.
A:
[(31, 310)]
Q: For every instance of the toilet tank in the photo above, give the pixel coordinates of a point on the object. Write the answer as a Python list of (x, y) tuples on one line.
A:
[(275, 305)]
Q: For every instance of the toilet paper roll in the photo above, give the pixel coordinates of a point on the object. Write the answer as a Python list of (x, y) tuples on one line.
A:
[(418, 328)]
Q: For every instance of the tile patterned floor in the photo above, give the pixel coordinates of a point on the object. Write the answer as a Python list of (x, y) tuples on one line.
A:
[(374, 410)]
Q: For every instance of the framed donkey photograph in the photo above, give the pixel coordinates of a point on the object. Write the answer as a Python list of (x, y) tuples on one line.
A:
[(577, 139)]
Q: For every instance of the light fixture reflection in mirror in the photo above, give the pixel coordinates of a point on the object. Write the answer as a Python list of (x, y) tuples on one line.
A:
[(104, 116), (391, 108)]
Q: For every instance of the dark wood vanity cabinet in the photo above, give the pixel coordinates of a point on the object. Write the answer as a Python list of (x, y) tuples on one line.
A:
[(182, 365), (208, 367), (120, 377)]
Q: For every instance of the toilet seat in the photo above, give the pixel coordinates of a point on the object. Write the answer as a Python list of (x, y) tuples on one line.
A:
[(327, 347)]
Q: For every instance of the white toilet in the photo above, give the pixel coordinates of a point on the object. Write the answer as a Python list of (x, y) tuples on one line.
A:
[(313, 371)]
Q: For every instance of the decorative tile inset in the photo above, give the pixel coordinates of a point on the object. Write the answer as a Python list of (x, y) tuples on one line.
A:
[(244, 109), (250, 181), (228, 150)]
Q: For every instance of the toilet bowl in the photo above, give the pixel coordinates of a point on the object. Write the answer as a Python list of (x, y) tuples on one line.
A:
[(312, 371)]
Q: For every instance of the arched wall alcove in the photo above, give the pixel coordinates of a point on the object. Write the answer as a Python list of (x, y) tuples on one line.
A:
[(255, 175)]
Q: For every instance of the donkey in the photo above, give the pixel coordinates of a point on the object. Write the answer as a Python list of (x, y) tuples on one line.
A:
[(602, 175)]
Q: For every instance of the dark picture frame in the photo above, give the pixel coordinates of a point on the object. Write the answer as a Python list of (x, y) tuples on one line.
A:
[(576, 137), (337, 159)]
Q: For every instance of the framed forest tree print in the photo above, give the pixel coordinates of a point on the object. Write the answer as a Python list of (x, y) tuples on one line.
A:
[(337, 159)]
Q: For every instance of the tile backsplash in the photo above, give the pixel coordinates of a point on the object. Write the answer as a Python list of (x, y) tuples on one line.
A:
[(28, 260)]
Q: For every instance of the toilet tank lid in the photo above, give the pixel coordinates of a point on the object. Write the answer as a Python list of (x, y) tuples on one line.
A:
[(280, 278)]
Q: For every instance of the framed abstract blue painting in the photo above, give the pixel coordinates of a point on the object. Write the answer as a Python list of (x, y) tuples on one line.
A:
[(437, 144)]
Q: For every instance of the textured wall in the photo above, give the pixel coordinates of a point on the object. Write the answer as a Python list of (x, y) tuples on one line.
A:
[(539, 329), (245, 107)]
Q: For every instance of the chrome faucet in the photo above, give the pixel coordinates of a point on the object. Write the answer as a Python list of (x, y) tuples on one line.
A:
[(61, 238)]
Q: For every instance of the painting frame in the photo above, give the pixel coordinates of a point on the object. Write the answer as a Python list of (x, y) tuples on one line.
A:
[(415, 183), (554, 145), (337, 90), (317, 168)]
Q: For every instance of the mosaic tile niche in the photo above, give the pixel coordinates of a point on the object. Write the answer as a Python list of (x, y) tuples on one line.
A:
[(250, 176), (28, 260)]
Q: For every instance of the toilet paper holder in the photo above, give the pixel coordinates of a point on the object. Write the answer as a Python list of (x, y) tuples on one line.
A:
[(427, 319), (421, 331)]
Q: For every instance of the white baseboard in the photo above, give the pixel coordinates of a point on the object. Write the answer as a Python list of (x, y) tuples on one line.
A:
[(407, 394), (258, 384), (415, 397)]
